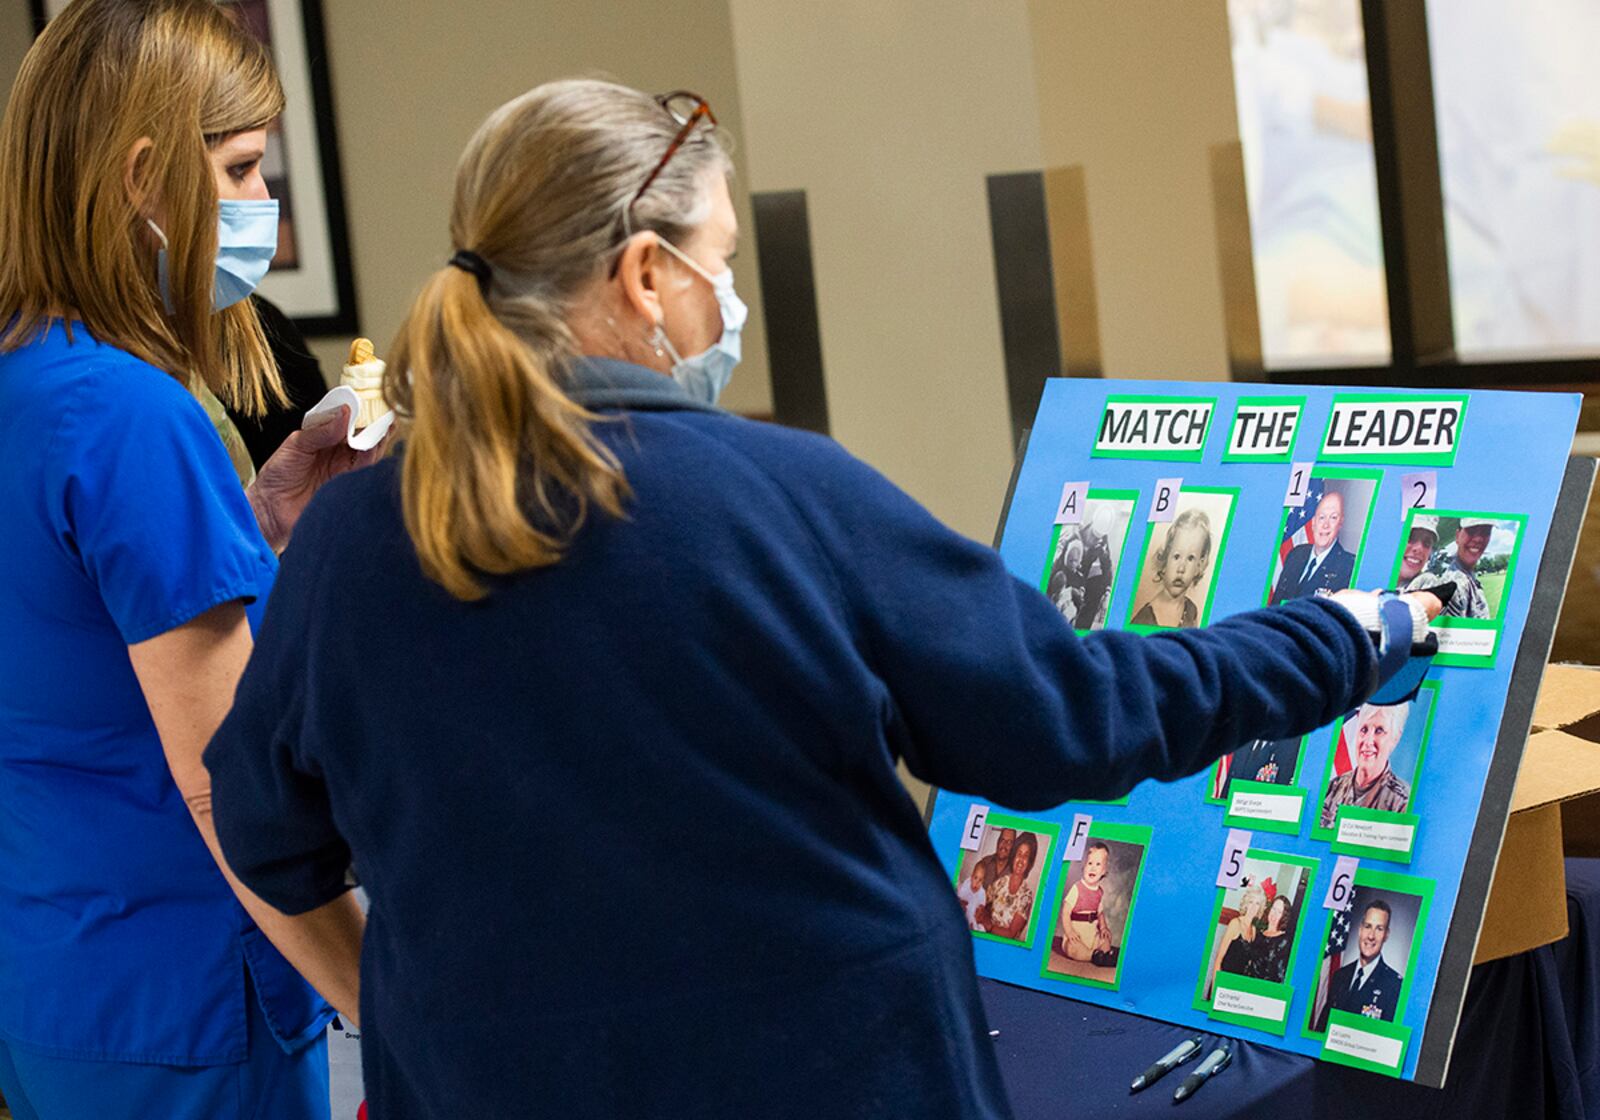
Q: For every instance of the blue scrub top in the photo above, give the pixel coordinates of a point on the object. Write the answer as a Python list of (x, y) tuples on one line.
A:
[(123, 519)]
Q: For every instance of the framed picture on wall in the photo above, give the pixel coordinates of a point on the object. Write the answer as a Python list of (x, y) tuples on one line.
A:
[(311, 277)]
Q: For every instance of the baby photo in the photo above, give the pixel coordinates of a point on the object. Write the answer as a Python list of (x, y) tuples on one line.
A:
[(1273, 761), (998, 884), (1096, 905), (1368, 953), (1376, 755), (1177, 572), (1319, 544), (1255, 926), (1473, 551), (1082, 571)]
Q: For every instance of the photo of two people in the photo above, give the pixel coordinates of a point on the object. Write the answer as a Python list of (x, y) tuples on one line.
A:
[(1473, 551), (1256, 922), (1082, 572)]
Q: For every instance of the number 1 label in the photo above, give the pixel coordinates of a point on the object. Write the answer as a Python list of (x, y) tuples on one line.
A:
[(1299, 484)]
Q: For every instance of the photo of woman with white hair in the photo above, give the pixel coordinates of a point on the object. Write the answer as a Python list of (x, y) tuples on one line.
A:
[(1376, 756)]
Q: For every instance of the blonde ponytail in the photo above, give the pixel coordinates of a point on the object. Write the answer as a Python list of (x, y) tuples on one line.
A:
[(501, 467)]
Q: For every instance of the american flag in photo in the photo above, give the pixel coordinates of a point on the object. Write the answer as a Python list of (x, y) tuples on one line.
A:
[(1342, 761), (1297, 531), (1338, 936)]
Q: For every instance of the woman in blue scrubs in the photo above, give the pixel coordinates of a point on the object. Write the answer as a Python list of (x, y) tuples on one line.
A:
[(137, 979)]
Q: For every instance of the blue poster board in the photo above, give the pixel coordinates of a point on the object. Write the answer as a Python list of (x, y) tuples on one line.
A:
[(1302, 893)]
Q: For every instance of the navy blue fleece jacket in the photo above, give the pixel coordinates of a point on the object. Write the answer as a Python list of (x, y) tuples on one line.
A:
[(631, 826)]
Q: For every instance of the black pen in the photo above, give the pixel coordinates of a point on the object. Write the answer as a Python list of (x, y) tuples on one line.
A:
[(1166, 1064), (1215, 1063)]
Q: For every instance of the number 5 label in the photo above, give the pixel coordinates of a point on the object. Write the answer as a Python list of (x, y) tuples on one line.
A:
[(1341, 890), (1233, 853), (1419, 491)]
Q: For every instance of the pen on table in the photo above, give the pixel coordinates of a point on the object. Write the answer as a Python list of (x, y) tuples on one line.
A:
[(1166, 1064), (1215, 1063)]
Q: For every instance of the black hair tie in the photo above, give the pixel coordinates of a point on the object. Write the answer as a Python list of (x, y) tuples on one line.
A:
[(468, 261)]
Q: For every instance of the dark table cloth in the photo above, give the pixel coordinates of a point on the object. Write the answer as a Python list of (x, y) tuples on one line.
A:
[(1528, 1046)]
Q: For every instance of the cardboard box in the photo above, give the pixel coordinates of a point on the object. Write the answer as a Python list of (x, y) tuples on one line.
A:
[(1555, 812)]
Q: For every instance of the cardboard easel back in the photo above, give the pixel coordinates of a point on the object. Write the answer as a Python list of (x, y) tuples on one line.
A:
[(1489, 834)]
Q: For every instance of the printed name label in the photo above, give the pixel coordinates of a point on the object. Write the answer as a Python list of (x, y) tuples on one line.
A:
[(1394, 429), (1284, 808), (1154, 428), (1375, 1048), (1232, 1001), (1463, 642), (1263, 431), (1394, 837)]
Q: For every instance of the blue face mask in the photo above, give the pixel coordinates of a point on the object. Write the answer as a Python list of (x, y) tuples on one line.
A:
[(706, 374), (247, 240)]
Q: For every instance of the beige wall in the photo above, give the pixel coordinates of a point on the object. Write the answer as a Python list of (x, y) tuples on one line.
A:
[(409, 89), (16, 32), (409, 92), (1137, 94), (890, 115)]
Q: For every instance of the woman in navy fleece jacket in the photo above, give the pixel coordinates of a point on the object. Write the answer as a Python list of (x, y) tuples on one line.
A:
[(602, 689)]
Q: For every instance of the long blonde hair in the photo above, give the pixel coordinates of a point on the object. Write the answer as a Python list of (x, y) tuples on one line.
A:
[(501, 466), (103, 75)]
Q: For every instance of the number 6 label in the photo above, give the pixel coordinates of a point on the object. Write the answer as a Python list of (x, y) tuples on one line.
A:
[(1233, 853), (1342, 888)]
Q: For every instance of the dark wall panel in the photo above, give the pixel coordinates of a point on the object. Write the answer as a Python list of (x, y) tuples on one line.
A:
[(789, 300)]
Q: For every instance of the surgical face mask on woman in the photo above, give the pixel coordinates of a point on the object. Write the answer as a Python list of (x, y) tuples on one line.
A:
[(247, 240), (706, 374)]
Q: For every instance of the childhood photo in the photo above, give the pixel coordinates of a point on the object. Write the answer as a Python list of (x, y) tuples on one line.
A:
[(1320, 542), (998, 885), (1367, 956), (1177, 573), (1095, 906), (1082, 572)]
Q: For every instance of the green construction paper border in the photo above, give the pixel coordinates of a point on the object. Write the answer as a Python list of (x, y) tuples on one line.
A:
[(1125, 834), (1365, 851), (1216, 562), (1098, 494), (1421, 459), (1256, 823), (1459, 660), (1265, 402), (1294, 780), (1327, 834), (1165, 456), (1396, 1031), (1394, 883), (1202, 1004), (1317, 471), (1021, 824)]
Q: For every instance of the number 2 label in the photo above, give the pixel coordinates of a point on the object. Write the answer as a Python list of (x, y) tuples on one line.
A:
[(1419, 491)]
